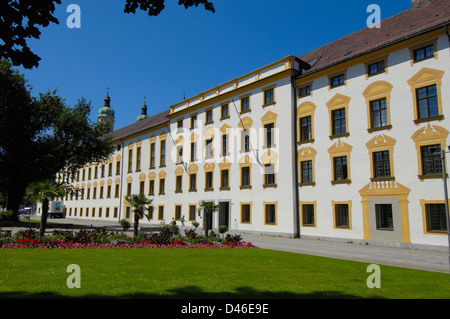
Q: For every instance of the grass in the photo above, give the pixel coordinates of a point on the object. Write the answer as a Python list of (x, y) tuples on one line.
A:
[(206, 274)]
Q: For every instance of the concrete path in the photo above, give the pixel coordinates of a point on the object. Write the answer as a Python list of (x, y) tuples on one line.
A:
[(423, 259)]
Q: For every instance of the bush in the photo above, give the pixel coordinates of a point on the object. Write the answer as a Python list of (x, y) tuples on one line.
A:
[(223, 229), (125, 224), (195, 224), (6, 215)]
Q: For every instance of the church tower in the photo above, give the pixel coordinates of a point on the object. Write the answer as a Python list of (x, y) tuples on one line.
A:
[(106, 113), (143, 115)]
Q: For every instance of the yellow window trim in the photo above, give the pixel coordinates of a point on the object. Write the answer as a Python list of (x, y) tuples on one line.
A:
[(314, 203), (333, 205), (377, 91)]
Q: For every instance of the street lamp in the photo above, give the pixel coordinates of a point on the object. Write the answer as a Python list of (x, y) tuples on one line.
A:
[(444, 178)]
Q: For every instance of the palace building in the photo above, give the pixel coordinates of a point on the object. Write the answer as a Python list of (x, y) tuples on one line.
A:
[(340, 143)]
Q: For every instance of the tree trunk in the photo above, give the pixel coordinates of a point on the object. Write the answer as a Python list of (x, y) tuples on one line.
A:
[(136, 224), (14, 200), (44, 217), (206, 221)]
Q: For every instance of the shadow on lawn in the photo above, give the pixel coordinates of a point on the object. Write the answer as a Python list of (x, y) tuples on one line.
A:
[(191, 292)]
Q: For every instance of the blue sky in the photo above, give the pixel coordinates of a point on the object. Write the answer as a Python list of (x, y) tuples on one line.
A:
[(181, 51)]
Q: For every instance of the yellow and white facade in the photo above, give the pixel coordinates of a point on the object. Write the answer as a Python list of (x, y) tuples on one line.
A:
[(340, 152)]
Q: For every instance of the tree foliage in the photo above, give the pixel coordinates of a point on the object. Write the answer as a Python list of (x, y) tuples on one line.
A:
[(41, 136), (20, 20), (44, 192), (140, 203)]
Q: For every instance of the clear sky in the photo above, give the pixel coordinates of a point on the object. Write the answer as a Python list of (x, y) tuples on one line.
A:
[(181, 52)]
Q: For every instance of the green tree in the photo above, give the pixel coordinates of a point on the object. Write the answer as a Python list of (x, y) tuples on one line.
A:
[(208, 209), (40, 137), (20, 20), (140, 204), (44, 192)]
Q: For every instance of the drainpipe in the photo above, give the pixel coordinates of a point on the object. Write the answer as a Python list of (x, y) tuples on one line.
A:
[(448, 33), (297, 233)]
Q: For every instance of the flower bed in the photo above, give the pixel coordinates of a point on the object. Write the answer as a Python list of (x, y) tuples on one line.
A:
[(102, 239)]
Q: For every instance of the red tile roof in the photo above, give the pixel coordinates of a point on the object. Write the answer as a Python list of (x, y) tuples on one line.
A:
[(428, 16)]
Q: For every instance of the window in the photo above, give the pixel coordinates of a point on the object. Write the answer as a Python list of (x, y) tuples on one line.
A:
[(110, 168), (152, 155), (269, 175), (224, 179), (117, 168), (245, 104), (340, 168), (89, 173), (424, 53), (224, 111), (151, 190), (245, 140), (180, 125), (269, 96), (162, 159), (209, 181), (306, 172), (431, 160), (435, 217), (102, 174), (179, 184), (305, 120), (209, 148), (381, 164), (304, 91), (177, 212), (193, 151), (160, 212), (305, 128), (141, 187), (341, 217), (130, 161), (378, 113), (138, 159), (192, 210), (150, 212), (193, 121), (129, 189), (179, 154), (308, 214), (384, 218), (245, 177), (193, 182), (116, 212), (95, 171), (108, 191), (339, 122), (376, 68), (209, 116), (337, 80), (270, 214), (427, 97), (116, 192), (162, 183), (427, 102), (269, 130), (246, 213), (224, 145)]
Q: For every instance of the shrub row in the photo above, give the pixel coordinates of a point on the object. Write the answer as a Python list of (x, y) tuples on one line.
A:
[(102, 238)]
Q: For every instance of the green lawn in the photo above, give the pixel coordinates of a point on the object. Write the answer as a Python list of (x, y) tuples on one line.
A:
[(204, 273)]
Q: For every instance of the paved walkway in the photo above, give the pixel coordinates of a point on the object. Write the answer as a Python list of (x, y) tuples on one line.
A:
[(423, 259)]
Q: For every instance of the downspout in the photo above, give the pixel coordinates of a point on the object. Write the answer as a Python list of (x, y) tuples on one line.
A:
[(297, 232), (448, 34)]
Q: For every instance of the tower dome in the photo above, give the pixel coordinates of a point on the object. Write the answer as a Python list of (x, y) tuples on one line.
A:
[(143, 115), (106, 113)]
